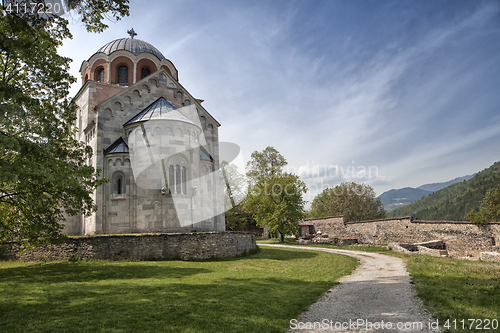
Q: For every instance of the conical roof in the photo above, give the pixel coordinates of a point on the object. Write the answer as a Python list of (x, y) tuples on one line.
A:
[(160, 109)]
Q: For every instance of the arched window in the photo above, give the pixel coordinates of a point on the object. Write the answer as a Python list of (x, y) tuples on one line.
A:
[(123, 75), (86, 77), (100, 75), (145, 72), (177, 179)]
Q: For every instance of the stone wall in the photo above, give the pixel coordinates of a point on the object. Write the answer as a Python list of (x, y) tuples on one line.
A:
[(462, 238), (185, 246), (333, 226)]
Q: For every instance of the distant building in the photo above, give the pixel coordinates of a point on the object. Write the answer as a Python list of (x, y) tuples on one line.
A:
[(155, 143)]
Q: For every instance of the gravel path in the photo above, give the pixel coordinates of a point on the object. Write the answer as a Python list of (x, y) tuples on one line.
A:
[(376, 297)]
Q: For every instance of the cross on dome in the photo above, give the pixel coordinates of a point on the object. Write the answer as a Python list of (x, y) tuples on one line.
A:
[(132, 33)]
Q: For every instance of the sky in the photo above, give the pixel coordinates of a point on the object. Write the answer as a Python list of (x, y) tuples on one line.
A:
[(387, 93)]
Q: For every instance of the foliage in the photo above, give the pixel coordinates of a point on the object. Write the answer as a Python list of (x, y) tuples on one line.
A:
[(489, 211), (44, 171), (236, 185), (274, 198), (277, 202), (234, 194), (265, 164), (455, 201), (238, 217), (356, 202), (256, 293), (93, 12)]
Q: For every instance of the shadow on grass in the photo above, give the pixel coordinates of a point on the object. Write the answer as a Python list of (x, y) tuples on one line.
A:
[(86, 271), (232, 305), (60, 272), (157, 296)]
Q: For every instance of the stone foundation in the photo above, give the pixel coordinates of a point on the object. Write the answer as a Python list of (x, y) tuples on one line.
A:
[(490, 256), (185, 246), (435, 248)]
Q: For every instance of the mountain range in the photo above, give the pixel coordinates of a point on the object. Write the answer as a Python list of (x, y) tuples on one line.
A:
[(394, 199), (452, 202)]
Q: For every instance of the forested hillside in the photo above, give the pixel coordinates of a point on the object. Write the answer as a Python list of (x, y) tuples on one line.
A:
[(394, 199), (455, 201)]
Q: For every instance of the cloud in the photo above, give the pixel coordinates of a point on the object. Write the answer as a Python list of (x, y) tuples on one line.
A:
[(403, 87)]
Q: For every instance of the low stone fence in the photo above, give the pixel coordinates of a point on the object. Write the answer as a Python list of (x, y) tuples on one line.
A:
[(462, 238), (184, 246)]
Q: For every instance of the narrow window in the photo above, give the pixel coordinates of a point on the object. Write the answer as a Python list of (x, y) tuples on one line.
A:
[(100, 75), (184, 180), (119, 185), (171, 183), (145, 72), (177, 179), (123, 75)]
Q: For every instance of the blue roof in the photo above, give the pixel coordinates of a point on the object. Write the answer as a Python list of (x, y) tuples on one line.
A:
[(119, 146), (160, 109), (136, 46)]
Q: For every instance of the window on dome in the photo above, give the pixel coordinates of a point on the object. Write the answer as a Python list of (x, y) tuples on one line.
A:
[(145, 72), (123, 75)]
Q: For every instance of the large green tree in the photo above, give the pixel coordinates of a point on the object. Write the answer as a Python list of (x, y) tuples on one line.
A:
[(264, 164), (44, 171), (274, 198), (277, 202), (489, 211), (356, 202)]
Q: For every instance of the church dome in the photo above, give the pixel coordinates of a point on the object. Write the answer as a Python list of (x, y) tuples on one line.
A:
[(125, 61), (136, 46)]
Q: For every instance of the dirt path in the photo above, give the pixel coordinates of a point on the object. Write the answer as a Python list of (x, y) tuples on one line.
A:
[(376, 297)]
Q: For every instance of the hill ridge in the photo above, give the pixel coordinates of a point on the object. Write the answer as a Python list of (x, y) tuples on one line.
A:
[(396, 198), (455, 201)]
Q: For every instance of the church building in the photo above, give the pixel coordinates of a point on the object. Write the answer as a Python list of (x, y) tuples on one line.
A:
[(153, 141)]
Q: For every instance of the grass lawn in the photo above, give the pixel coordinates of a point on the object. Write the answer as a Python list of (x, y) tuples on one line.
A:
[(453, 290), (257, 293), (458, 290)]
